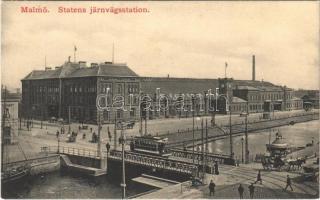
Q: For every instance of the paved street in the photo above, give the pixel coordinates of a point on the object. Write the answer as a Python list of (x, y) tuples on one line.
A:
[(227, 183)]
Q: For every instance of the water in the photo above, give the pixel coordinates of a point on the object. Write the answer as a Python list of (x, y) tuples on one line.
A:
[(297, 135), (57, 185)]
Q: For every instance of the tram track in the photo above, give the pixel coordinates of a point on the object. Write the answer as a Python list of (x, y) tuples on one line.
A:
[(307, 191)]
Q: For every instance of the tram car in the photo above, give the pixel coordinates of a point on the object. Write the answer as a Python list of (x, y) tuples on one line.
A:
[(150, 145)]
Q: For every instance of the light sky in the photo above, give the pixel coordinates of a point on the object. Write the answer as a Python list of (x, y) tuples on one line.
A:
[(183, 39)]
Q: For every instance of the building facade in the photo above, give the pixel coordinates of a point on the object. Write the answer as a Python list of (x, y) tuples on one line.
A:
[(75, 91), (71, 90)]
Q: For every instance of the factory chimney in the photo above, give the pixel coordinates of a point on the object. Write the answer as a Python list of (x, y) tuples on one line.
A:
[(253, 68)]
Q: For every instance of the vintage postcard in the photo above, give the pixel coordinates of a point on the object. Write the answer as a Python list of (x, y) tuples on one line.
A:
[(159, 99)]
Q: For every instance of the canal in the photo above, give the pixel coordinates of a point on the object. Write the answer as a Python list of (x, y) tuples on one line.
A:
[(57, 185), (296, 135)]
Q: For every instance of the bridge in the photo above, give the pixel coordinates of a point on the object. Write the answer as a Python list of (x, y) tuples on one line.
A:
[(181, 161), (155, 162)]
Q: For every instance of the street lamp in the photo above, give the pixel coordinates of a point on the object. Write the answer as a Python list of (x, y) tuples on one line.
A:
[(246, 136), (58, 137), (192, 129), (242, 149)]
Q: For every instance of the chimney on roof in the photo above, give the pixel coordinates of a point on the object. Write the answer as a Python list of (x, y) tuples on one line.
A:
[(253, 68), (82, 64), (69, 58), (168, 76)]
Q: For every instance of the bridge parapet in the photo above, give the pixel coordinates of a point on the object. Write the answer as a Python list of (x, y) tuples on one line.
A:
[(210, 157), (154, 162), (70, 151)]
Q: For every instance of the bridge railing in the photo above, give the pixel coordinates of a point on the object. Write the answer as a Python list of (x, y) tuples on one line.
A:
[(70, 151), (210, 157), (32, 161), (156, 162)]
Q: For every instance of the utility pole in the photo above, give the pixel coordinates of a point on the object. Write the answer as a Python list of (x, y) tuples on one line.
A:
[(140, 130), (69, 119), (193, 130), (202, 149), (115, 132), (123, 184), (206, 153), (246, 139), (99, 139), (230, 127), (145, 123)]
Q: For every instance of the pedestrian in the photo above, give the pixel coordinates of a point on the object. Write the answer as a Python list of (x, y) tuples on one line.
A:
[(251, 190), (216, 168), (108, 147), (240, 190), (288, 183), (211, 187), (90, 129), (258, 178), (57, 134)]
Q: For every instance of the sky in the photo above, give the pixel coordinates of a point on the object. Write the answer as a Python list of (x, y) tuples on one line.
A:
[(182, 39)]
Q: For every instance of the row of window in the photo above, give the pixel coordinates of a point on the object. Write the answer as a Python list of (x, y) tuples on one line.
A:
[(79, 89)]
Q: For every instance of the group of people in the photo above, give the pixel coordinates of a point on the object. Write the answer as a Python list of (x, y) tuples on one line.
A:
[(251, 187)]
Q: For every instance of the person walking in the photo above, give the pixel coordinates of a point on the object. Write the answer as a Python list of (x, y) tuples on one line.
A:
[(108, 147), (251, 190), (288, 183), (258, 178), (216, 168), (211, 187), (240, 190)]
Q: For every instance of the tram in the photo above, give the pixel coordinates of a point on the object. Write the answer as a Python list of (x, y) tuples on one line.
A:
[(150, 145)]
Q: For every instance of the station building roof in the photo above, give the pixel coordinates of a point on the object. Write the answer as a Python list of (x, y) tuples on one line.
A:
[(71, 70)]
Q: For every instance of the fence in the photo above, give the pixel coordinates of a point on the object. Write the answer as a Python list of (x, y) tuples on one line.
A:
[(70, 151), (32, 162)]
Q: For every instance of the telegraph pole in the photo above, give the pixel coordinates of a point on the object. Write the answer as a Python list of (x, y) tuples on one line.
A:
[(99, 139), (246, 139), (115, 131), (230, 127), (69, 120), (202, 149), (206, 153), (193, 130), (123, 184)]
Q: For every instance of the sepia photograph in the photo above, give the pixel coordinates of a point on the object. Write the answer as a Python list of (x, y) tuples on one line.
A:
[(160, 99)]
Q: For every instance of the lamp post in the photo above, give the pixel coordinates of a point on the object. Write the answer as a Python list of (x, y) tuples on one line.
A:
[(123, 184), (242, 149), (58, 143), (246, 138), (192, 129), (230, 129), (121, 126)]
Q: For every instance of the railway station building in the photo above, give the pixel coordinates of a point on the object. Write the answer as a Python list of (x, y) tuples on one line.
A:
[(71, 90)]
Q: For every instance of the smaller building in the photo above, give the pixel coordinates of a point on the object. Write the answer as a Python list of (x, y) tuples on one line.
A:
[(10, 104)]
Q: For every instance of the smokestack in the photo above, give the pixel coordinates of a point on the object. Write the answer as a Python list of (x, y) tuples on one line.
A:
[(253, 68)]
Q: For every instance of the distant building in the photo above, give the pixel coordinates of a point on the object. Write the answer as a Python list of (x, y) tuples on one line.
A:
[(72, 90), (309, 97), (10, 111)]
